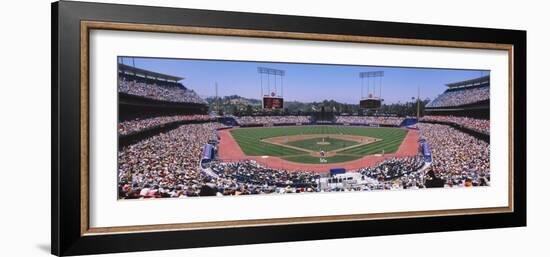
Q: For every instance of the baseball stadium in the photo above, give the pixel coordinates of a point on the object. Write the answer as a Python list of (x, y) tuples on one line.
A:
[(177, 139)]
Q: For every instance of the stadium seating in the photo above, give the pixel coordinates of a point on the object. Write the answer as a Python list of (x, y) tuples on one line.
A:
[(394, 121), (138, 125), (479, 125), (159, 92), (461, 96)]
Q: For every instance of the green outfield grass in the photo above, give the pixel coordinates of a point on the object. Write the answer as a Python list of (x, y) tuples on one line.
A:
[(311, 144), (249, 139)]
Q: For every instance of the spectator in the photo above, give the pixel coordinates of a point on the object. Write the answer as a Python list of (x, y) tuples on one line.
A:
[(479, 125), (457, 156), (395, 121), (177, 94), (137, 125), (247, 120), (461, 96)]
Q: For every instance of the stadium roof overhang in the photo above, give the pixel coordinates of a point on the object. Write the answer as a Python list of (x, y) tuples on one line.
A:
[(147, 73), (470, 82)]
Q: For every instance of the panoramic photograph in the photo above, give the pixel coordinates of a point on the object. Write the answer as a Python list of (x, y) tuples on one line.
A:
[(196, 128)]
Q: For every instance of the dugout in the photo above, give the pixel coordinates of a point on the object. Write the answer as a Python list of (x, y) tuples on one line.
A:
[(336, 171)]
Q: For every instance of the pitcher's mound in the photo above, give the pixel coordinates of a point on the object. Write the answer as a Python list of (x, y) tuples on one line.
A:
[(323, 143)]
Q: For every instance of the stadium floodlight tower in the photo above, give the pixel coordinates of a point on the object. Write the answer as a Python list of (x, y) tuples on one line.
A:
[(371, 100), (273, 98)]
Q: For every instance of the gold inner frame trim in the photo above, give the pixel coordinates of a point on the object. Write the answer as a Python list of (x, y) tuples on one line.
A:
[(86, 26)]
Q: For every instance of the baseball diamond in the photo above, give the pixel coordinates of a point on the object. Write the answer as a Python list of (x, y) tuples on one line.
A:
[(301, 144)]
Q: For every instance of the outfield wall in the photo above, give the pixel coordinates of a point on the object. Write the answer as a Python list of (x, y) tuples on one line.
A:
[(318, 124)]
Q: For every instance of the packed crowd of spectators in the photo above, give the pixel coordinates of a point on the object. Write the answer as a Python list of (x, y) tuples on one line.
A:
[(458, 97), (370, 119), (165, 165), (402, 172), (247, 120), (249, 177), (458, 159), (168, 165), (479, 125), (159, 92), (136, 125)]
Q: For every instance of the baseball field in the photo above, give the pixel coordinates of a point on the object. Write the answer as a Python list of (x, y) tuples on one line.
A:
[(318, 144)]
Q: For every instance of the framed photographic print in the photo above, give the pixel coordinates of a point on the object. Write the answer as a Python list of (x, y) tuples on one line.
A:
[(178, 128)]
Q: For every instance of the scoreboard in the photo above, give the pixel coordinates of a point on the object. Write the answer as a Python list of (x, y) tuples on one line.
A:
[(371, 103), (273, 102)]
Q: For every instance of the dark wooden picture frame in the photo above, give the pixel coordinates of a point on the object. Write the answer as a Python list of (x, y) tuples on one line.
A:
[(71, 23)]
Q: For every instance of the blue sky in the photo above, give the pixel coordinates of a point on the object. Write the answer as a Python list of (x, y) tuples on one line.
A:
[(305, 82)]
